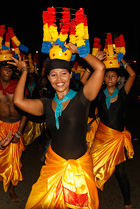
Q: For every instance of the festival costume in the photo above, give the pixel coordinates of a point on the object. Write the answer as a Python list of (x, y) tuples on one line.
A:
[(32, 131), (111, 140), (108, 151), (10, 164), (62, 167), (64, 184), (66, 180)]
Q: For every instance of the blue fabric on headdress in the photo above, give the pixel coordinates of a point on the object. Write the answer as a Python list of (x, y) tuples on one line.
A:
[(5, 47)]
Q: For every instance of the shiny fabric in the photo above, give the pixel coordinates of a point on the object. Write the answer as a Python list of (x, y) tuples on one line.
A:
[(32, 131), (90, 135), (64, 184), (108, 151), (10, 164)]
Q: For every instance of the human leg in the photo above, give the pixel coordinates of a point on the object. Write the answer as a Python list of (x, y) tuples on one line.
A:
[(123, 181), (13, 195)]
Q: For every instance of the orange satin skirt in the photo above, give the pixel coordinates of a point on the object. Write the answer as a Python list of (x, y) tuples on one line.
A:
[(64, 184), (10, 164), (108, 151)]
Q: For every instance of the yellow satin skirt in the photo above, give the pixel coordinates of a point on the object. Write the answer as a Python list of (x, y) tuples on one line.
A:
[(108, 151), (10, 164), (64, 184), (32, 131)]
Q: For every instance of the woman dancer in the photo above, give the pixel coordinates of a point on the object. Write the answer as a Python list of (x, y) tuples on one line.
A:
[(66, 180), (107, 150)]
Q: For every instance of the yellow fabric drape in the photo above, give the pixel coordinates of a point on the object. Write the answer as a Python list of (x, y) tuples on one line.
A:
[(10, 164), (32, 131), (64, 184), (108, 151), (90, 135)]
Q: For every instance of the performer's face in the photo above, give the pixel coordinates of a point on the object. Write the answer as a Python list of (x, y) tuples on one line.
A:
[(6, 73), (111, 78), (60, 79)]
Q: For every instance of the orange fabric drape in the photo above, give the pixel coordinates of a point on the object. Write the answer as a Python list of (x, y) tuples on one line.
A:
[(108, 151), (64, 184), (10, 164)]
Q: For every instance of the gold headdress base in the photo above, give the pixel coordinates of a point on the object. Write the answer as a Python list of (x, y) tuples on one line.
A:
[(5, 55), (57, 53)]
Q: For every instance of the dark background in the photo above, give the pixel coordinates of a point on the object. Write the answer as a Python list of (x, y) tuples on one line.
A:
[(26, 19)]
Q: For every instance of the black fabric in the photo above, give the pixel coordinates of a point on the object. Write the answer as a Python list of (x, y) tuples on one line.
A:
[(114, 117), (69, 141), (117, 70), (57, 63), (5, 63)]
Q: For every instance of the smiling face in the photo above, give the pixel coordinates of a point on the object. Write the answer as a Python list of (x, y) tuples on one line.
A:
[(60, 79), (111, 78)]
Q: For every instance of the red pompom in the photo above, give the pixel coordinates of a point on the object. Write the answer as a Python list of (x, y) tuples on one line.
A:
[(2, 30), (122, 41), (96, 42), (11, 32), (109, 39)]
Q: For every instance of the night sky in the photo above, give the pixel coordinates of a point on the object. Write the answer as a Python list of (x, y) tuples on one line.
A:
[(26, 19)]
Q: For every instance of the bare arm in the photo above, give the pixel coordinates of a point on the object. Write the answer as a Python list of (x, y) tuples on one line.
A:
[(131, 77), (32, 106), (20, 129), (94, 83), (85, 76), (101, 55)]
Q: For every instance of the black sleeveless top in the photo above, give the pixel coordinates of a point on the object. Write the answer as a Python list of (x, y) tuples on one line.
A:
[(69, 141), (114, 117)]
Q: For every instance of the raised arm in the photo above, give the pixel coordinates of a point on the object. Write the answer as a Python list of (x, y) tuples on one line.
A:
[(101, 55), (94, 83), (131, 77), (32, 106)]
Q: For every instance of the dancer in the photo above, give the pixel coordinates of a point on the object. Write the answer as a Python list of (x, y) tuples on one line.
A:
[(111, 139), (11, 126), (66, 181)]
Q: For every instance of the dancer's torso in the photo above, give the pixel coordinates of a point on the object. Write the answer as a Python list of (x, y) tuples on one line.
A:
[(70, 140), (114, 116)]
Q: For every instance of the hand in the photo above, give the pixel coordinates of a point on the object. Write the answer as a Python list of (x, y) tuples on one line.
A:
[(101, 55), (73, 48), (6, 140), (15, 139), (20, 64)]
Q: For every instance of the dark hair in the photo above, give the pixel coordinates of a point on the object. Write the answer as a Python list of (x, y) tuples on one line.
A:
[(4, 63), (116, 70)]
